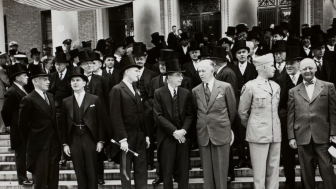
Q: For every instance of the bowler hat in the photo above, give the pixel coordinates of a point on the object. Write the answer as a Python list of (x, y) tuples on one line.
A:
[(316, 41), (37, 71), (241, 28), (240, 44), (59, 49), (173, 66), (278, 30), (128, 40), (83, 56), (293, 53), (331, 32), (77, 72), (139, 49), (306, 32), (61, 58), (193, 46), (67, 41), (101, 46), (279, 45), (155, 37), (15, 70), (219, 52), (231, 31), (166, 54), (184, 36), (334, 22), (127, 62), (34, 51)]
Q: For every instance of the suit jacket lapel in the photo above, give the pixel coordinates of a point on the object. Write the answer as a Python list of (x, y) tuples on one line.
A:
[(247, 70), (317, 90), (52, 104), (42, 103), (127, 90), (71, 104), (327, 66), (214, 94), (201, 95), (86, 102), (93, 83), (160, 82), (167, 100), (303, 92), (181, 99)]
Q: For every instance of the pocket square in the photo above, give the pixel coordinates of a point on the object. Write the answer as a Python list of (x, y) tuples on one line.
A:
[(92, 105), (219, 96)]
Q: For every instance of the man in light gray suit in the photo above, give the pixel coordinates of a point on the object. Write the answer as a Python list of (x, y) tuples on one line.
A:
[(215, 104), (311, 124)]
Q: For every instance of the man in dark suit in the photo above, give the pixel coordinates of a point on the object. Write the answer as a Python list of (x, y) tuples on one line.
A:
[(173, 39), (311, 125), (287, 81), (128, 125), (324, 67), (184, 49), (10, 114), (305, 51), (110, 70), (35, 55), (279, 52), (82, 129), (38, 126), (244, 72), (154, 53), (216, 109), (191, 68), (145, 77), (330, 46), (174, 115)]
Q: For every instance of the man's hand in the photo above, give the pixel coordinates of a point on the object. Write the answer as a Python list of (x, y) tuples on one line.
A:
[(66, 150), (182, 139), (124, 146), (292, 144), (333, 139), (100, 146), (147, 142), (232, 138), (178, 134)]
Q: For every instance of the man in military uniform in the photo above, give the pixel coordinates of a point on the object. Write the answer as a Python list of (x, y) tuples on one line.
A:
[(258, 111), (67, 45)]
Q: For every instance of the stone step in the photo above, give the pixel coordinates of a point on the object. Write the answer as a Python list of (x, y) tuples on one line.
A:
[(4, 143), (114, 174), (6, 150), (197, 183), (4, 137)]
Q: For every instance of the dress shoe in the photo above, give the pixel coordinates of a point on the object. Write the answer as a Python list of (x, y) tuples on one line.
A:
[(27, 183), (101, 182), (157, 181), (230, 179), (150, 167)]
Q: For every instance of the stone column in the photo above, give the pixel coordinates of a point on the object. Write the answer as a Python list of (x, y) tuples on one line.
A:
[(64, 26), (146, 15), (224, 16), (305, 12), (329, 12), (243, 11), (2, 29), (103, 24)]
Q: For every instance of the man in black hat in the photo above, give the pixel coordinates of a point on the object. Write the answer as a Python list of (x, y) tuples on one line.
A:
[(305, 51), (174, 115), (244, 72), (38, 126), (173, 39), (330, 46), (128, 125), (86, 45), (257, 46), (128, 44), (10, 114), (242, 31), (154, 53), (278, 34), (184, 49), (290, 79), (227, 43), (13, 45), (67, 46), (110, 69), (35, 55), (279, 51), (46, 52), (191, 68), (333, 25), (82, 129), (231, 33), (324, 67)]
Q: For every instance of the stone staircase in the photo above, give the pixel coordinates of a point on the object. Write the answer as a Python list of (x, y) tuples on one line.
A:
[(244, 177)]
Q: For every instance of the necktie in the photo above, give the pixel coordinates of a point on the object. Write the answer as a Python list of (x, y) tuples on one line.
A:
[(61, 76), (318, 64), (311, 82), (294, 79), (175, 95), (110, 71), (46, 98), (207, 93)]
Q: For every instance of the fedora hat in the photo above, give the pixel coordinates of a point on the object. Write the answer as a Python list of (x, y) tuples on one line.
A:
[(127, 62), (184, 36), (15, 70), (316, 41), (59, 49), (60, 57), (231, 31), (293, 53), (173, 66), (240, 44), (306, 32), (193, 46), (83, 56), (219, 52), (139, 49), (166, 54), (128, 40), (77, 72), (101, 46), (155, 37), (333, 22), (34, 51), (37, 71), (279, 46), (241, 28)]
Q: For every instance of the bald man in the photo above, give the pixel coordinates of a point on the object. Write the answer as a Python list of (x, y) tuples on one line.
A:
[(311, 125), (216, 109)]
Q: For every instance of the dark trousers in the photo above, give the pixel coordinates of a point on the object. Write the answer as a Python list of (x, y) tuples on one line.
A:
[(173, 157), (46, 168), (240, 135), (84, 157), (58, 117), (100, 165), (137, 144), (307, 154), (20, 162), (288, 162)]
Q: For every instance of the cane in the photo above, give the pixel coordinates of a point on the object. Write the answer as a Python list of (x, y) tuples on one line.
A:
[(134, 153)]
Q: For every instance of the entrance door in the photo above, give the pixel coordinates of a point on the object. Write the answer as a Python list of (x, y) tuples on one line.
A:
[(276, 11)]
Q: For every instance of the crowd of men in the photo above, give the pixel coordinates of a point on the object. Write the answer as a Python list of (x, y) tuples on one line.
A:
[(266, 95)]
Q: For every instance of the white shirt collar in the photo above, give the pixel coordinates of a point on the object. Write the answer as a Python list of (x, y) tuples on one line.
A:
[(79, 97), (63, 73), (41, 93), (171, 89), (297, 75), (210, 83), (321, 60), (36, 62), (108, 69), (314, 80), (79, 94)]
